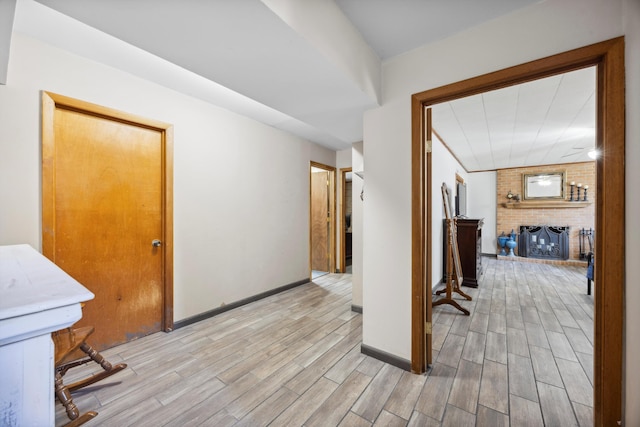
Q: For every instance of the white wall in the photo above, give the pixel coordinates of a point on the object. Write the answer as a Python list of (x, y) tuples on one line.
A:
[(7, 12), (543, 29), (482, 203), (444, 169), (357, 221), (387, 230), (241, 188)]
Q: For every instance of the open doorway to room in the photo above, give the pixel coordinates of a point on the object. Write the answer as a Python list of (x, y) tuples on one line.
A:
[(322, 206), (608, 58), (346, 209)]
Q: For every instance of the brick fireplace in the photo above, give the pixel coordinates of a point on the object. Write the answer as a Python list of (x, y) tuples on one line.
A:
[(576, 218)]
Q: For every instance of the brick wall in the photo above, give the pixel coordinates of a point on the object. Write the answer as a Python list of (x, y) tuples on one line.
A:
[(576, 218)]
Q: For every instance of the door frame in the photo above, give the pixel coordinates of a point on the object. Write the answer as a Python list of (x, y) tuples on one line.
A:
[(608, 58), (51, 102), (332, 214), (343, 230)]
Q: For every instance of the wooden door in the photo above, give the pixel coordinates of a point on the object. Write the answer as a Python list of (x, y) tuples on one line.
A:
[(104, 218), (320, 216)]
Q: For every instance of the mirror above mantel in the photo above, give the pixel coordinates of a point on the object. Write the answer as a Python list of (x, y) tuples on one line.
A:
[(543, 186)]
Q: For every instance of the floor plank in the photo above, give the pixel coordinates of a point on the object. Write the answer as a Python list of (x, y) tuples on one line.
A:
[(372, 400), (494, 390), (404, 397), (556, 407), (524, 413), (522, 380), (456, 417), (466, 386), (298, 412)]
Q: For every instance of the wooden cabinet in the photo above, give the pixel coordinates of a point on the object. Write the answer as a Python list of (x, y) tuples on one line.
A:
[(470, 249)]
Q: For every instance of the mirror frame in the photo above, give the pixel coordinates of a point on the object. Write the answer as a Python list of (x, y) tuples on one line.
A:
[(532, 191)]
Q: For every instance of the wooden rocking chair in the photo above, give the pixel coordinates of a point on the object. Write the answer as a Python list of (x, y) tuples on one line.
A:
[(66, 342)]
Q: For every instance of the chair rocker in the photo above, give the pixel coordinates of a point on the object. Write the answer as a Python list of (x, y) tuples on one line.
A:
[(66, 342)]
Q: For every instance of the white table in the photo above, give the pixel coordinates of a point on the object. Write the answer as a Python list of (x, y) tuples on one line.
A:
[(36, 298)]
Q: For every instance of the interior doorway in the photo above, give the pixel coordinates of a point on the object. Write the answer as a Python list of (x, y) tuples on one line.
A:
[(608, 57), (346, 210), (107, 214), (322, 226)]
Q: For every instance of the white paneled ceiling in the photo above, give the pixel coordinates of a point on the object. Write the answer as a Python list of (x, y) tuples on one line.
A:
[(546, 121), (279, 62)]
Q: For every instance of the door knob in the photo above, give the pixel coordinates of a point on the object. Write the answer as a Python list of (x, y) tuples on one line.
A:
[(156, 243)]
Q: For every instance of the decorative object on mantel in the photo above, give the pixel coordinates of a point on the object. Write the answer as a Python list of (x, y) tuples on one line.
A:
[(573, 184), (502, 241), (509, 195), (586, 187), (579, 186)]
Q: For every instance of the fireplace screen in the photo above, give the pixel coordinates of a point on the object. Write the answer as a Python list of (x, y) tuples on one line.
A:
[(544, 242)]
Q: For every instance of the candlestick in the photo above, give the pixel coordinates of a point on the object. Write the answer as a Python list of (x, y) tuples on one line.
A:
[(579, 186), (586, 187), (573, 184)]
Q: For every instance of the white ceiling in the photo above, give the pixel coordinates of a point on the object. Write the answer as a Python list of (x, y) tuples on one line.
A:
[(250, 57), (547, 121), (393, 27)]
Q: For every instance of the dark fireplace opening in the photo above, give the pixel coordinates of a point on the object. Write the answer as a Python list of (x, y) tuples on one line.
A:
[(544, 242)]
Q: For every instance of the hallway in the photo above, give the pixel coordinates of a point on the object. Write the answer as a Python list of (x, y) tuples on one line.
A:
[(523, 356)]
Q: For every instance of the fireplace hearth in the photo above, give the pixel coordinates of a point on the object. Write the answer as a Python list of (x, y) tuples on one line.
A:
[(544, 242)]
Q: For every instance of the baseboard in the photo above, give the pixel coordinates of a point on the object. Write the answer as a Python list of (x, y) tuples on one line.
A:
[(440, 283), (386, 357), (211, 313), (356, 308)]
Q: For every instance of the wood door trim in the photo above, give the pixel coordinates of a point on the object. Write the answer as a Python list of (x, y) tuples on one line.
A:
[(332, 213), (608, 57), (343, 233), (51, 102), (419, 232)]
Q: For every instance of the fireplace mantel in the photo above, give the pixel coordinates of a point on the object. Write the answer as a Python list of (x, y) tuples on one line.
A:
[(557, 204)]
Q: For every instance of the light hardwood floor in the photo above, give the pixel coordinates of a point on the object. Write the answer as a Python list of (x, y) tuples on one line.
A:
[(522, 358)]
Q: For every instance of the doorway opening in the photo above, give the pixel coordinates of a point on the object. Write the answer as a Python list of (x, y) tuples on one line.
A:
[(322, 223), (346, 210), (608, 58)]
